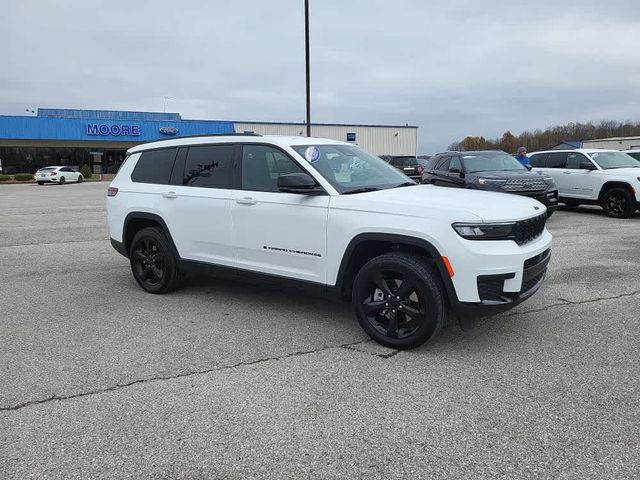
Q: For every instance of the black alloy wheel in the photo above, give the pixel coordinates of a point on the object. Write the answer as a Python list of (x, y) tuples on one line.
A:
[(153, 263), (618, 203), (62, 181), (398, 300)]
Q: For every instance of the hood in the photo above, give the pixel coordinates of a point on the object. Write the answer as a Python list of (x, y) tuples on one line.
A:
[(450, 204)]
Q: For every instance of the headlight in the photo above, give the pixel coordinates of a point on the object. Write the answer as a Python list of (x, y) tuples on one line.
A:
[(485, 231), (491, 181)]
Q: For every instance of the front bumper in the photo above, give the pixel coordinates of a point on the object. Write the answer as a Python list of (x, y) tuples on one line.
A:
[(494, 276), (495, 300)]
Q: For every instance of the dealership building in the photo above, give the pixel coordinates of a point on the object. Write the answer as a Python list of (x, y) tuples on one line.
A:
[(100, 138)]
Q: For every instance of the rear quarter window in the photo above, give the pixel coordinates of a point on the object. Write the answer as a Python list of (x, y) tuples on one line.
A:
[(154, 166)]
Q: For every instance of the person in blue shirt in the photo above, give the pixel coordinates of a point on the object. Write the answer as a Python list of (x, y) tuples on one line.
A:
[(522, 156)]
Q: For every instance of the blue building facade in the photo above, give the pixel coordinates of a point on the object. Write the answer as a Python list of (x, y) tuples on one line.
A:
[(98, 138)]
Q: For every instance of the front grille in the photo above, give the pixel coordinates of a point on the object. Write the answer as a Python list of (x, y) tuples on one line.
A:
[(526, 230), (531, 282), (530, 262), (525, 184)]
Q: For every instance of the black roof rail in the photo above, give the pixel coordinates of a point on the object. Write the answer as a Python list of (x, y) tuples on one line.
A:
[(232, 134)]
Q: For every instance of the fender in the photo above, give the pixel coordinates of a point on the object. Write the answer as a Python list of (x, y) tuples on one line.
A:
[(151, 218), (398, 240)]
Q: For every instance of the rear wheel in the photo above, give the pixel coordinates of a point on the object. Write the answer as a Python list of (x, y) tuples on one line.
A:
[(62, 181), (153, 264), (618, 203), (398, 300)]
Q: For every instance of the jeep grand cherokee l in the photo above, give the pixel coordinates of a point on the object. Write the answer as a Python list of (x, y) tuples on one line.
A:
[(591, 176), (333, 217)]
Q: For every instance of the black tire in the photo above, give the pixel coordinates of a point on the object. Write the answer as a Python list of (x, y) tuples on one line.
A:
[(62, 181), (40, 183), (390, 286), (153, 264), (80, 179), (618, 203), (549, 214)]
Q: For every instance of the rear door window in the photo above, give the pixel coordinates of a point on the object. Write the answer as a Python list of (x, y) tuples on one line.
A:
[(455, 165), (443, 164), (154, 166), (209, 166)]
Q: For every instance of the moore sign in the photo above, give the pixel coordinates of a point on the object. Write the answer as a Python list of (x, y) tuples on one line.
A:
[(113, 130)]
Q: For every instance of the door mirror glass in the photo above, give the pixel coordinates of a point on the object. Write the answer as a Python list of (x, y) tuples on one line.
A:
[(298, 183)]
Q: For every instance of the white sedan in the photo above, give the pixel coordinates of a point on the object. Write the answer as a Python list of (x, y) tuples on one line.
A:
[(59, 175)]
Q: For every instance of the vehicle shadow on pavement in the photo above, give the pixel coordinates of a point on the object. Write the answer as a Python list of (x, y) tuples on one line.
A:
[(309, 307), (592, 210)]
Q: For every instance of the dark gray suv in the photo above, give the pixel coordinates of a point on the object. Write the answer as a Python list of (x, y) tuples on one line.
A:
[(490, 170)]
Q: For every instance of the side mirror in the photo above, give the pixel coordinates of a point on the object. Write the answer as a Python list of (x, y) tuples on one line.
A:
[(298, 182), (529, 167), (587, 165)]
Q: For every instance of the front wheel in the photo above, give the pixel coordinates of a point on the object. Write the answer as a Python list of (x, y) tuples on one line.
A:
[(618, 203), (398, 300), (80, 179), (40, 183), (153, 264)]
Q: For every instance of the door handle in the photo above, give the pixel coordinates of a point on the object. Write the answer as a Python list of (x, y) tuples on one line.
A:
[(246, 201), (567, 173), (170, 195)]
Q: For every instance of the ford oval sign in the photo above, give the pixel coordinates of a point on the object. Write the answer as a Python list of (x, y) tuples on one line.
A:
[(168, 130)]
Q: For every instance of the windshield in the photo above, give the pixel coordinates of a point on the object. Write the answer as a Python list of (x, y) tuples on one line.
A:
[(607, 160), (490, 161), (347, 167)]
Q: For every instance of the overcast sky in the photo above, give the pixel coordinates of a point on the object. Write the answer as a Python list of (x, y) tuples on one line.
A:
[(454, 68)]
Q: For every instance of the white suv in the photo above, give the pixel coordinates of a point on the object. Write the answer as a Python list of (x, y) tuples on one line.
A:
[(332, 217), (608, 178)]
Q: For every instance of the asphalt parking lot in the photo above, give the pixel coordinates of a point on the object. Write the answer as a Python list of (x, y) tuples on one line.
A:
[(226, 380)]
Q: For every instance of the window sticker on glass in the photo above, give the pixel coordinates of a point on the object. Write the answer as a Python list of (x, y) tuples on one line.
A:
[(312, 154)]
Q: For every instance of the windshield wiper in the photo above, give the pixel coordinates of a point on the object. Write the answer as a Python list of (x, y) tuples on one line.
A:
[(404, 184), (361, 190)]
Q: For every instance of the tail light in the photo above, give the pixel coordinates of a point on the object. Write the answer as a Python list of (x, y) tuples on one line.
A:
[(112, 191), (53, 173)]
